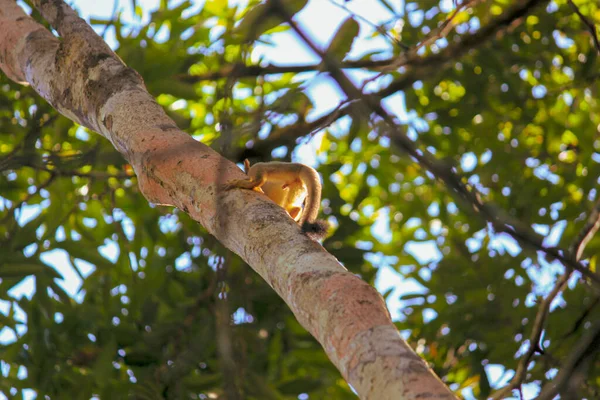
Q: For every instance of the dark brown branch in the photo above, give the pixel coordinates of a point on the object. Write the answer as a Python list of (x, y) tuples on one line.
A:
[(582, 318), (587, 232), (445, 27), (428, 66), (246, 71), (569, 379), (288, 136), (575, 251), (534, 338), (10, 213), (590, 26), (411, 56), (95, 174), (446, 58), (241, 70), (113, 19)]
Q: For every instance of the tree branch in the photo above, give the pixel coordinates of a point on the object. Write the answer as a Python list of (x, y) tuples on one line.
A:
[(575, 251), (574, 366), (416, 68), (534, 338), (241, 70), (466, 195), (83, 79), (587, 232), (590, 26)]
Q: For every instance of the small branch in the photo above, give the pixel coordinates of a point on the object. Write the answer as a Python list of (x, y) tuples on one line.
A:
[(289, 135), (590, 26), (587, 232), (417, 68), (534, 338), (412, 53), (579, 323), (572, 373), (446, 26), (93, 174), (422, 67), (113, 18), (574, 253), (43, 185), (53, 163), (241, 70)]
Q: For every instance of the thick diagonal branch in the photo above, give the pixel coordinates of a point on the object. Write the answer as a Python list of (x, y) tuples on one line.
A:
[(83, 79)]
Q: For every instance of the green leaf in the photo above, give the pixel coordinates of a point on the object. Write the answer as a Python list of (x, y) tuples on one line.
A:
[(342, 42), (264, 17)]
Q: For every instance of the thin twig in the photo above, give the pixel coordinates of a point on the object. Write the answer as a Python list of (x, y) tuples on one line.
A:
[(287, 136), (572, 372), (112, 18), (445, 27), (534, 339), (417, 68), (590, 26), (587, 232), (241, 70), (575, 251), (442, 30)]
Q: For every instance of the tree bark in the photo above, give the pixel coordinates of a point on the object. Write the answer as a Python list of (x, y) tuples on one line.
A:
[(84, 80)]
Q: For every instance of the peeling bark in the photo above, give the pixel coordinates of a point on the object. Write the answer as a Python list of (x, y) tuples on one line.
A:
[(84, 80)]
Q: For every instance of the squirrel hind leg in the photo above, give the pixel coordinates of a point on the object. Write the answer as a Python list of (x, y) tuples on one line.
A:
[(294, 212), (315, 230)]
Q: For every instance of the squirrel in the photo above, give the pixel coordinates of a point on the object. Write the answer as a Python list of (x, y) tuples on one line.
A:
[(294, 187)]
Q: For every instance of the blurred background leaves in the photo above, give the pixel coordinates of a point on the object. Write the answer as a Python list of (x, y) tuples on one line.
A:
[(102, 294)]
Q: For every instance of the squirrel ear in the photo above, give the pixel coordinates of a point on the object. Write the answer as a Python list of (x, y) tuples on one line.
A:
[(246, 165)]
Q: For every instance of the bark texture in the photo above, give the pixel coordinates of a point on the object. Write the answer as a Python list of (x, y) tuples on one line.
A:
[(84, 80)]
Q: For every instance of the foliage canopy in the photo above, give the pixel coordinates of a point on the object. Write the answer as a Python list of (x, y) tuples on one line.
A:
[(514, 114)]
